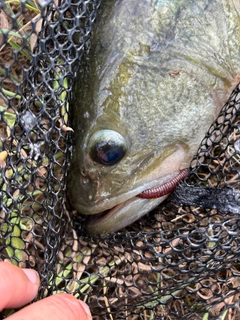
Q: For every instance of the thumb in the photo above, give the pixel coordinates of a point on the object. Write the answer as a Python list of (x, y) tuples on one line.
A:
[(57, 307), (17, 286)]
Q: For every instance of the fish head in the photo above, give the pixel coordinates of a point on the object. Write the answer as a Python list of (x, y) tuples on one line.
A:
[(141, 105)]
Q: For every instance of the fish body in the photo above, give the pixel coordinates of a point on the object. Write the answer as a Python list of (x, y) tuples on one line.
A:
[(155, 78)]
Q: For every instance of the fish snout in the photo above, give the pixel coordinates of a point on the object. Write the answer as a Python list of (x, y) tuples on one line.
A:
[(89, 185), (83, 188)]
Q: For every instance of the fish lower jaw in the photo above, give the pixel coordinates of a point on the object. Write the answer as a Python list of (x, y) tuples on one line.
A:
[(125, 213)]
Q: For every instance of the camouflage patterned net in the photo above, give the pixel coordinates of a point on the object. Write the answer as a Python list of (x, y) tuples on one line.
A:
[(181, 261)]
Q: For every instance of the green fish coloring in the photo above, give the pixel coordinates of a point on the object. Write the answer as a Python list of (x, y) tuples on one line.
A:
[(155, 78)]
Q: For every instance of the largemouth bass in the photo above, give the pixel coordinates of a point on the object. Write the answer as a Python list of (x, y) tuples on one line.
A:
[(156, 76)]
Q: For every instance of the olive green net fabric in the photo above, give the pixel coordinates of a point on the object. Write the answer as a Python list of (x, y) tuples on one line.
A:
[(180, 261)]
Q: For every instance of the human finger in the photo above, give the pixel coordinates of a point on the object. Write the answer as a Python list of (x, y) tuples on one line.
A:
[(57, 307), (17, 286)]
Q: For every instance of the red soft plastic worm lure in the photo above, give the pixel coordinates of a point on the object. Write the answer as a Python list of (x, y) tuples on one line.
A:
[(167, 187)]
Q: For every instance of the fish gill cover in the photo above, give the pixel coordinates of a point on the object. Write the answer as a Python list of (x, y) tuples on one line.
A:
[(180, 260)]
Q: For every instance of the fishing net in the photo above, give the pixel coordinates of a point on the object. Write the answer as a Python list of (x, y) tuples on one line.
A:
[(179, 261)]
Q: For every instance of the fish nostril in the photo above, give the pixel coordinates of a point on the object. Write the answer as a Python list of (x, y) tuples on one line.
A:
[(89, 181), (85, 180)]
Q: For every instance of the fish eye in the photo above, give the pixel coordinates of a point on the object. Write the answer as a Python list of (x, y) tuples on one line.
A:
[(107, 147)]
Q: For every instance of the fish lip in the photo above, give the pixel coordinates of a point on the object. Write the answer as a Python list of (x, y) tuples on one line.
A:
[(106, 214), (108, 203)]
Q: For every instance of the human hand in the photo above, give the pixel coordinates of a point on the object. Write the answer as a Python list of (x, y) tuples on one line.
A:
[(20, 286)]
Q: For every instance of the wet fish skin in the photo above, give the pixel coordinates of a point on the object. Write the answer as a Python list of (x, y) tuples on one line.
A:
[(157, 73)]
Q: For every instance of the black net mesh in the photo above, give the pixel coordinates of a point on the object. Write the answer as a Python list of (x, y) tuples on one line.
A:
[(179, 261)]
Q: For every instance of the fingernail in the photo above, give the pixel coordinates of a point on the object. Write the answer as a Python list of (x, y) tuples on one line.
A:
[(32, 275), (86, 308)]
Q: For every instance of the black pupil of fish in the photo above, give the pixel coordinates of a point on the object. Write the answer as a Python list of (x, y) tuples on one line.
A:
[(108, 153)]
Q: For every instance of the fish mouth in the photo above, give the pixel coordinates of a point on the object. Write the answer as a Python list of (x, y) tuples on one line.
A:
[(125, 213)]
